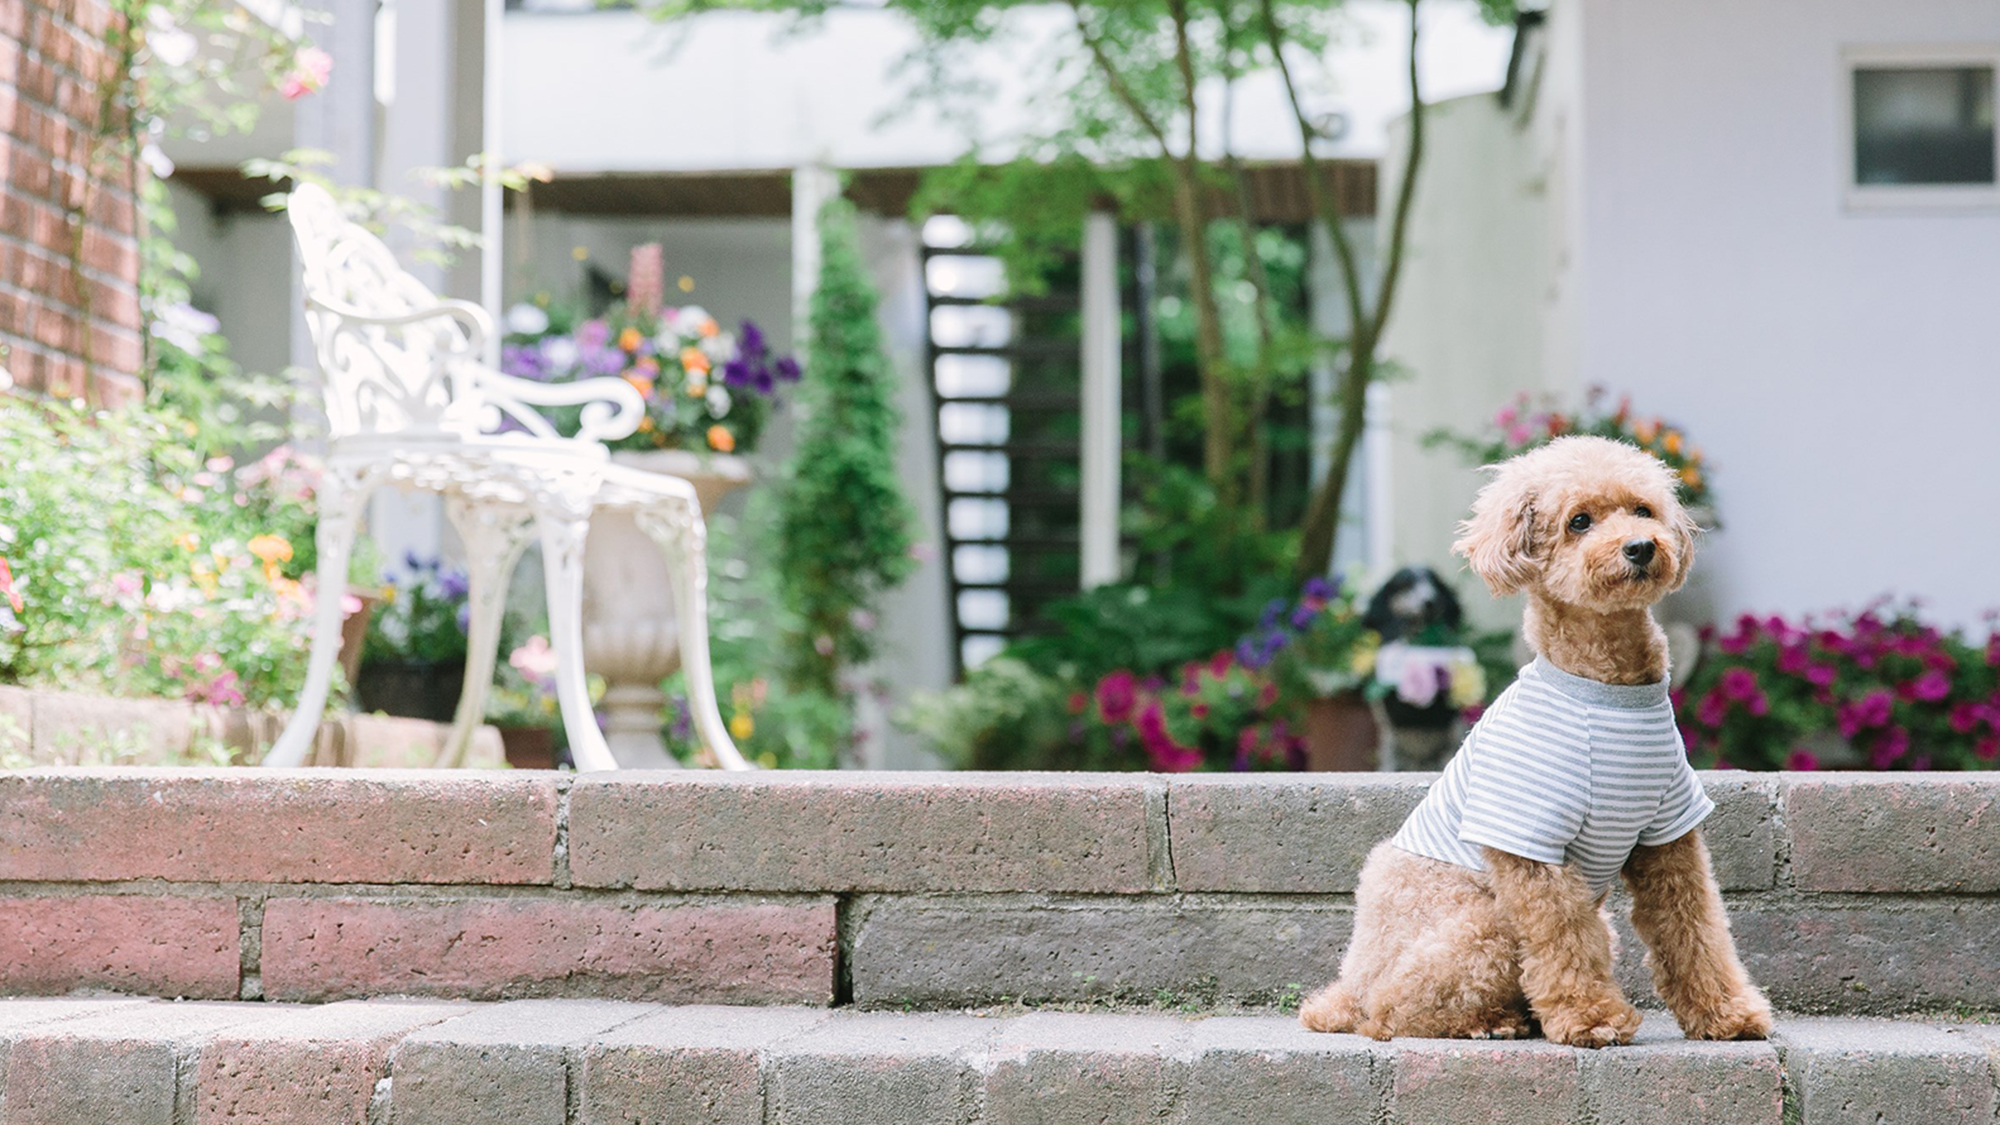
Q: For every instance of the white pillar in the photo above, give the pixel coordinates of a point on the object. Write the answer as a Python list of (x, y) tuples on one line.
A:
[(812, 186), (490, 204), (1102, 437)]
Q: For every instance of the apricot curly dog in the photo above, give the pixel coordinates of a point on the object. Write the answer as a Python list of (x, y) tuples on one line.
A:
[(1483, 916)]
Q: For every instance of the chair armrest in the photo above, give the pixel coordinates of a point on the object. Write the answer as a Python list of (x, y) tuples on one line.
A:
[(612, 407)]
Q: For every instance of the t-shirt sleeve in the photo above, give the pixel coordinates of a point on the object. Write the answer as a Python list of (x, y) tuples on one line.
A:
[(1685, 805), (1524, 794)]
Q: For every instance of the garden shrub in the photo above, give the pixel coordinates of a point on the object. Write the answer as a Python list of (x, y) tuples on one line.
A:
[(143, 570)]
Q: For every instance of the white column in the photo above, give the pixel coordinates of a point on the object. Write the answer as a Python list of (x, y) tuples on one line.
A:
[(812, 186), (490, 204), (1102, 439)]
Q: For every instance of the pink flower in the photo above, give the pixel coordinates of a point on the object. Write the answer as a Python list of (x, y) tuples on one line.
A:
[(1987, 748), (1712, 710), (1117, 694), (1078, 702), (1801, 760), (1931, 686), (1518, 434), (1792, 659), (1166, 755), (1889, 746), (1820, 675), (1738, 683), (1267, 695), (311, 67), (1964, 716), (1199, 710)]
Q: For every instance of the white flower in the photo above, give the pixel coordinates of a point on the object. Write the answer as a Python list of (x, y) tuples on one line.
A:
[(688, 319), (559, 352), (527, 320), (667, 343), (183, 326), (721, 347), (169, 43), (156, 161), (718, 401)]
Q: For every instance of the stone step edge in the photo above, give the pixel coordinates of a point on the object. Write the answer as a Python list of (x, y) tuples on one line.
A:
[(105, 1058)]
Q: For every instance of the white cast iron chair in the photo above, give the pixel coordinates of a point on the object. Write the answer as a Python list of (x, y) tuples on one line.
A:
[(410, 404)]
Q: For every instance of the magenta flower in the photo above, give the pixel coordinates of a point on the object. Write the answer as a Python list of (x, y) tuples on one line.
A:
[(1712, 709), (1931, 686), (1792, 659), (1987, 748), (1738, 683), (1891, 745), (1117, 694), (1820, 675), (1801, 759)]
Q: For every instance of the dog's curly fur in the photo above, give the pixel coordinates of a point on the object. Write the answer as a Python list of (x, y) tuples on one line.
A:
[(1441, 950)]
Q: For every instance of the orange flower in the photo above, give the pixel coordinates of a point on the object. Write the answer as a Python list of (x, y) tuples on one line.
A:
[(709, 327), (1646, 431), (1692, 476), (694, 359), (640, 382), (721, 440), (630, 339), (1672, 442), (646, 424), (647, 364)]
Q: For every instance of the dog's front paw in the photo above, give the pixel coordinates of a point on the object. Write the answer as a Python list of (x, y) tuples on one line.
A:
[(1747, 1016), (1597, 1023)]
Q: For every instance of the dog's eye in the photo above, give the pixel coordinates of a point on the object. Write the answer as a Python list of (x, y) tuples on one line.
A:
[(1643, 512), (1580, 522)]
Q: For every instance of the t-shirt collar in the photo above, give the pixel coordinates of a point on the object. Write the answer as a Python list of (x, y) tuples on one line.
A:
[(1627, 697)]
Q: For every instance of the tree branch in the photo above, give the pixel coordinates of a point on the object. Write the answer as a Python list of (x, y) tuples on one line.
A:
[(1119, 86), (1405, 192), (1325, 199)]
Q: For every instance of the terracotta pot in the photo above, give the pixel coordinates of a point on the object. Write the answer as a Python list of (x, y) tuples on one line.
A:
[(529, 748), (1341, 734), (411, 689), (354, 629)]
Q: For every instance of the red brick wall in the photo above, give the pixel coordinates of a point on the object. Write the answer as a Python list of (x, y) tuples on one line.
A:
[(67, 331)]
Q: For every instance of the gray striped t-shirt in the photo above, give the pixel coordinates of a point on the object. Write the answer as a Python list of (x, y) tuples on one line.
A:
[(1562, 770)]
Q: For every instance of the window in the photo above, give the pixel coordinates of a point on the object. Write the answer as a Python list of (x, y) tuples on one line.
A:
[(1921, 126)]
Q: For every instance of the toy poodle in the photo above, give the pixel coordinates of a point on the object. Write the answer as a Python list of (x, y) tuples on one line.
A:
[(1483, 916)]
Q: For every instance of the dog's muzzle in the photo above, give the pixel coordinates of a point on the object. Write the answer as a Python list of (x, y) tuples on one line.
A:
[(1639, 552)]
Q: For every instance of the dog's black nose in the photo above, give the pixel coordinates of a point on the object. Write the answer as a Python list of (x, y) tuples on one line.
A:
[(1639, 551)]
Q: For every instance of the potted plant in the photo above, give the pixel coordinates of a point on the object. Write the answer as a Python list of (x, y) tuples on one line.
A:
[(1319, 652), (413, 660), (522, 706)]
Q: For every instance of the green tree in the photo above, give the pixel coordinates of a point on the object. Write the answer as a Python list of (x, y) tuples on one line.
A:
[(1122, 101), (844, 523)]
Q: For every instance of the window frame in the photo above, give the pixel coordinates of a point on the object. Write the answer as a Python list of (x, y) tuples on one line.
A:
[(1876, 197)]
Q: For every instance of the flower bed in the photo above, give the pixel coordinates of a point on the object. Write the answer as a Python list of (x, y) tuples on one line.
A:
[(1875, 689)]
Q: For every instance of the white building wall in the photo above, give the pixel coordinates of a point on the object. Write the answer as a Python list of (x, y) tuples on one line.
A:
[(245, 261), (1841, 368)]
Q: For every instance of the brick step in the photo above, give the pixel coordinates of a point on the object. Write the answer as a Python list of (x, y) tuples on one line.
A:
[(570, 1062)]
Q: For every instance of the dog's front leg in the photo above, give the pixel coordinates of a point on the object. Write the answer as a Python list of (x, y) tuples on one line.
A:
[(1565, 952), (1678, 912)]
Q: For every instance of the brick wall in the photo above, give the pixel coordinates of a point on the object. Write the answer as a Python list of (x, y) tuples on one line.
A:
[(1849, 893), (68, 332)]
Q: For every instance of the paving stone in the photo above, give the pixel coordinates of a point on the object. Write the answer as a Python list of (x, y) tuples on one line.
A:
[(501, 1065), (686, 1066), (1290, 834), (1470, 1082), (1894, 832), (1054, 1068), (312, 1066), (715, 950), (1882, 1072), (1742, 832), (842, 831), (1663, 1079), (1912, 957), (281, 826), (870, 1068), (956, 950), (116, 1065), (1270, 1071)]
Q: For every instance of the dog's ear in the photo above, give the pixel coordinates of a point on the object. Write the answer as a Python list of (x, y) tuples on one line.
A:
[(1499, 539), (1685, 531)]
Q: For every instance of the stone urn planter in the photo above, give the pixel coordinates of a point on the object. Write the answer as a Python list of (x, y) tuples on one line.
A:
[(631, 630)]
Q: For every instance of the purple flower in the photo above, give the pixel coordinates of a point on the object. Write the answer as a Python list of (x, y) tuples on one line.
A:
[(788, 371), (1272, 609), (1302, 616), (593, 333), (761, 379), (750, 340), (452, 584), (524, 361), (736, 372), (1319, 587)]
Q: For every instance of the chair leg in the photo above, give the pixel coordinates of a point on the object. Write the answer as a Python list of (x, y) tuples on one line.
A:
[(683, 535), (342, 495), (562, 563), (494, 537)]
